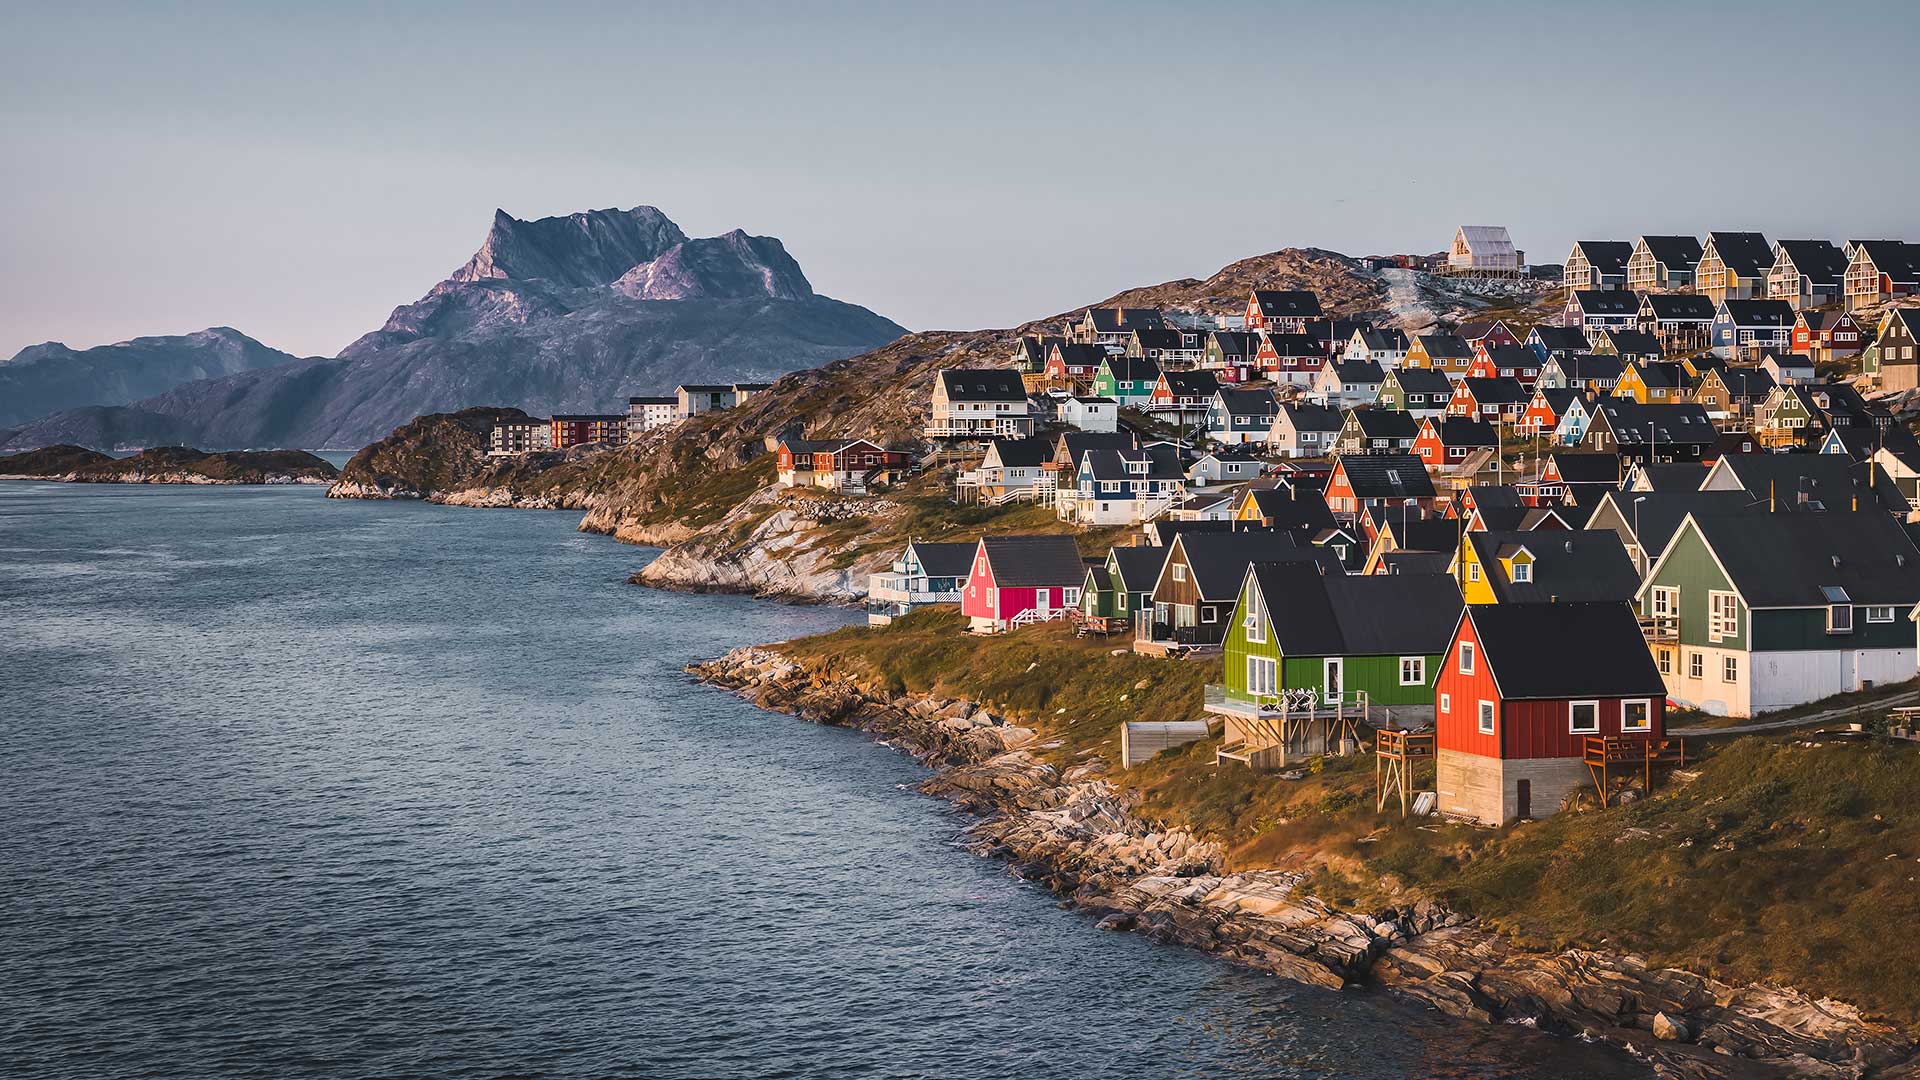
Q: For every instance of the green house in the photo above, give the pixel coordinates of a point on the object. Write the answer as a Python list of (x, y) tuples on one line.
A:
[(1122, 585), (1339, 636), (1748, 611), (1126, 379)]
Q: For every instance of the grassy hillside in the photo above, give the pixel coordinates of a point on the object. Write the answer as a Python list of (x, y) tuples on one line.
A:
[(1784, 861)]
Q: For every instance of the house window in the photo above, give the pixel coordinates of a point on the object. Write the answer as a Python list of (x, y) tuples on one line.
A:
[(1260, 675), (1636, 716), (1208, 614), (1466, 658), (1413, 670), (1666, 600), (1666, 661), (1723, 616), (1879, 614), (1446, 703), (1473, 571), (1522, 573), (1839, 611), (1730, 669), (1583, 717), (1256, 626), (1486, 718), (1179, 572), (1696, 665)]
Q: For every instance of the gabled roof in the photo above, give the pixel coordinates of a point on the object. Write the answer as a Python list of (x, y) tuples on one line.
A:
[(1748, 382), (1311, 613), (1287, 303), (1670, 475), (1133, 368), (1789, 362), (1909, 317), (1484, 240), (1283, 510), (1653, 516), (1661, 375), (1217, 561), (1564, 338), (1162, 463), (1593, 367), (1081, 354), (1896, 259), (1678, 307), (1499, 390), (1518, 357), (1566, 650), (983, 384), (1426, 534), (1191, 383), (1673, 252), (1028, 453), (1416, 562), (1634, 343), (1422, 381), (1139, 566), (1588, 468), (1159, 338), (1764, 313), (1445, 346), (1463, 431), (1634, 424), (1471, 332), (1235, 342), (943, 560), (1358, 372), (1306, 416), (1607, 256), (1034, 348), (1607, 301), (1746, 253), (1557, 398), (1077, 443), (1383, 340), (1125, 320), (1795, 557), (1289, 345), (1820, 261), (1834, 481), (1259, 402), (1386, 476), (1048, 560), (1384, 423), (1568, 565)]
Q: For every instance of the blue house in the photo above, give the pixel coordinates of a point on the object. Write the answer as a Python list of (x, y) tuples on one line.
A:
[(1747, 329), (1573, 422), (1556, 342)]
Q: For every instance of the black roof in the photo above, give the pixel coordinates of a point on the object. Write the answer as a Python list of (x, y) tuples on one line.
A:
[(1139, 565), (1296, 345), (1217, 562), (1518, 357), (1321, 614), (1134, 368), (1417, 562), (1675, 252), (1499, 390), (1820, 261), (1795, 557), (1028, 453), (1633, 424), (1444, 346), (1259, 402), (1607, 256), (1358, 371), (1653, 516), (1191, 383), (1047, 560), (1746, 253), (1773, 313), (1679, 307), (1834, 481), (983, 384), (1634, 343), (1306, 416), (944, 560), (1163, 463), (1124, 320), (1160, 338), (1280, 509), (1287, 303), (1750, 382), (1588, 468), (1566, 650), (1077, 443), (1593, 367), (1464, 431), (1607, 301), (1235, 342), (1426, 534), (1671, 475), (1384, 423), (1566, 338), (1568, 565), (1386, 476), (1423, 380)]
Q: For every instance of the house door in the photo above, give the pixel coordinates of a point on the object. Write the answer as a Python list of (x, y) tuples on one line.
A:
[(1523, 796), (1330, 683)]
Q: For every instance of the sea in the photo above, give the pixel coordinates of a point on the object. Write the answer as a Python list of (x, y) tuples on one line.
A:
[(298, 787)]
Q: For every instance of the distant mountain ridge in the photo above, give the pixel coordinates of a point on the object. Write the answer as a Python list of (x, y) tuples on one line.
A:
[(561, 314), (51, 376)]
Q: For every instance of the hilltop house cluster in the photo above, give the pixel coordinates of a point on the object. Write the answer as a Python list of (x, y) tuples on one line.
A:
[(1510, 548), (564, 431)]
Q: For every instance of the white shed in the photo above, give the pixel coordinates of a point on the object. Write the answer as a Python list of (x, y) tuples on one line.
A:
[(1483, 251)]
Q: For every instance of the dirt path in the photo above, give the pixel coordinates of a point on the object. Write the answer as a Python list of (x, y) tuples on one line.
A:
[(1799, 721)]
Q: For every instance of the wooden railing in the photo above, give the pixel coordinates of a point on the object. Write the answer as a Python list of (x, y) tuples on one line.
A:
[(1604, 754)]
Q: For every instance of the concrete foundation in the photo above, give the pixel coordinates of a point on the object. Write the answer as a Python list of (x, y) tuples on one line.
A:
[(1488, 789)]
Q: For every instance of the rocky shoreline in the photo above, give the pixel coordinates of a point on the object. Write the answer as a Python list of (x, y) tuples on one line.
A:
[(168, 465), (1074, 832)]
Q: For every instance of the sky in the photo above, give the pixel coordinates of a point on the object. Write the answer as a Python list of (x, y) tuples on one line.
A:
[(297, 172)]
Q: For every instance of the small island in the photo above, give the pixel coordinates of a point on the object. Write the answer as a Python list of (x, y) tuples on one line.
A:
[(168, 465)]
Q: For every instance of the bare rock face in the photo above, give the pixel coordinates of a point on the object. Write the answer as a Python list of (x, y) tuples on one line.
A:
[(734, 266), (581, 250)]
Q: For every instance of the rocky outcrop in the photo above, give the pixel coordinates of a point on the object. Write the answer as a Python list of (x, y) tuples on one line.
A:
[(770, 545), (1073, 830), (168, 465)]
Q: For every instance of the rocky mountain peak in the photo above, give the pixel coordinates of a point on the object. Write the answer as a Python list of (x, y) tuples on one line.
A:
[(592, 248), (728, 267)]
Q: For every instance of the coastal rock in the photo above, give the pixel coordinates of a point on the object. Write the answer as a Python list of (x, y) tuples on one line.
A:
[(1072, 832), (168, 465)]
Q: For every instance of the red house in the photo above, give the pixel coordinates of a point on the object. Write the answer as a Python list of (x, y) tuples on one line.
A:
[(1496, 400), (1521, 690), (1282, 311), (1544, 410), (1505, 361), (1018, 580), (1487, 333), (1447, 440), (1825, 335)]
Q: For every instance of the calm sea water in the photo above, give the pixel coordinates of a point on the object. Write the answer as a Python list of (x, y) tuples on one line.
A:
[(306, 788)]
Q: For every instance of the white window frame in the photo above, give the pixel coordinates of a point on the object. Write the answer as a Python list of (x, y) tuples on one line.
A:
[(1418, 665), (1665, 658), (1523, 573), (1269, 676), (1880, 614), (1666, 600), (1573, 725), (1209, 615), (1256, 626), (1473, 571), (1730, 668), (1835, 626), (1723, 615), (1446, 704), (1467, 657), (1487, 719), (1646, 723), (1179, 572)]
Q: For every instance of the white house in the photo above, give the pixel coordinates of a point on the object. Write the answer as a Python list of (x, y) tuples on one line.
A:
[(1091, 413)]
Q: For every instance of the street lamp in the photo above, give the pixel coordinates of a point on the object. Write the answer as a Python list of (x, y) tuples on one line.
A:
[(1639, 543)]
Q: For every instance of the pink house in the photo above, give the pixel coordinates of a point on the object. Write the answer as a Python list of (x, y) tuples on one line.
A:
[(1017, 580)]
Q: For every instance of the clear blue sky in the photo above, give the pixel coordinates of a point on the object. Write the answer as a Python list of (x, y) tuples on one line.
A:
[(299, 173)]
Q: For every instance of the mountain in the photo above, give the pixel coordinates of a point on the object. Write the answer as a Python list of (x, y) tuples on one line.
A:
[(43, 378), (561, 314)]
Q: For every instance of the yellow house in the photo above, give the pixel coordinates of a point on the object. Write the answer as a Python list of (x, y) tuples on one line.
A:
[(1543, 566), (1652, 382), (1513, 562)]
